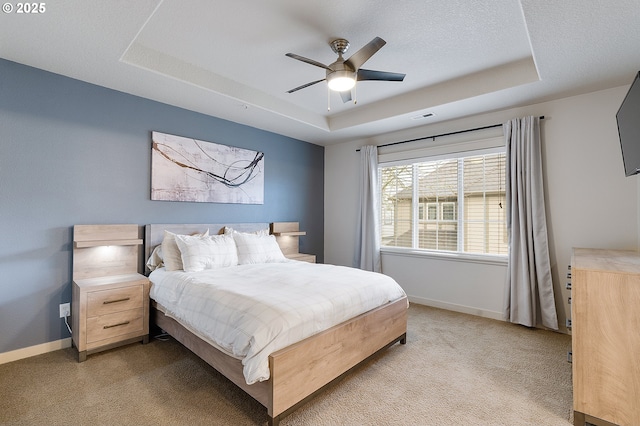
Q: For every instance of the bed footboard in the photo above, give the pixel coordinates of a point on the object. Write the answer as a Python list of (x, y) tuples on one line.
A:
[(301, 370)]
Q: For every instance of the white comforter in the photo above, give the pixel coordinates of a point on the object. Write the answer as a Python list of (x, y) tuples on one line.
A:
[(251, 311)]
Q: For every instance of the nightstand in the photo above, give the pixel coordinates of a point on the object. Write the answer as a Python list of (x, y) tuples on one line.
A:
[(110, 299), (303, 257), (288, 236), (110, 311)]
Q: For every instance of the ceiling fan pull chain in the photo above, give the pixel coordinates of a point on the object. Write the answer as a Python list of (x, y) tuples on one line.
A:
[(355, 94)]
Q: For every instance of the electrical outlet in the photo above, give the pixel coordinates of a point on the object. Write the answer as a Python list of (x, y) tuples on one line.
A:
[(65, 310)]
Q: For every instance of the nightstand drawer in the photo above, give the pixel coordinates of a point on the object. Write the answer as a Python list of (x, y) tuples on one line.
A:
[(114, 300), (112, 325)]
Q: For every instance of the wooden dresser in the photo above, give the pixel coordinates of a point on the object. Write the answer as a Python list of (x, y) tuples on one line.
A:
[(606, 336), (110, 299)]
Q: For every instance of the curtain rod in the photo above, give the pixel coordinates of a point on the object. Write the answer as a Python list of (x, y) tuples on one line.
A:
[(442, 134)]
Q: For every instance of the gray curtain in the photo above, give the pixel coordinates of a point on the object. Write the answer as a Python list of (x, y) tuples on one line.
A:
[(529, 298), (367, 255)]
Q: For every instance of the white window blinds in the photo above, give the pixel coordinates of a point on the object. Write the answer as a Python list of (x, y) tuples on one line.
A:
[(452, 203)]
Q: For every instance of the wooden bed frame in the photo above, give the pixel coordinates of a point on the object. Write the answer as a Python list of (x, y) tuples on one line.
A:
[(298, 371)]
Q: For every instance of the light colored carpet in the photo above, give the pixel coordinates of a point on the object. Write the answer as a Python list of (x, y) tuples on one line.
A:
[(455, 369)]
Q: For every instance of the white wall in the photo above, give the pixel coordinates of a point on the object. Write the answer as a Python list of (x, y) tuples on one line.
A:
[(589, 201)]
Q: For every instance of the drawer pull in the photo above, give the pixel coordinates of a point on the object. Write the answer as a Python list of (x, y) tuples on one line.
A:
[(116, 325), (106, 302)]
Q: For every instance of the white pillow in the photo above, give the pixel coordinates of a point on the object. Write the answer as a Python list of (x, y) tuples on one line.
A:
[(207, 252), (171, 253), (229, 231), (257, 248), (155, 260)]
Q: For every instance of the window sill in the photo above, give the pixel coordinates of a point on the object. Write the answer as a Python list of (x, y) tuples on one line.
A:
[(454, 257)]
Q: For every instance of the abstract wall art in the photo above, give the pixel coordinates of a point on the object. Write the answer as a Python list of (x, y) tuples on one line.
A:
[(185, 169)]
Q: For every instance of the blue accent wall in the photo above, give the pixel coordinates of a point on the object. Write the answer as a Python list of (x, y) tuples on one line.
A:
[(75, 153)]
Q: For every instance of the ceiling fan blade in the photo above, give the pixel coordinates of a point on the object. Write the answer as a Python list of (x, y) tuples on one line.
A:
[(305, 85), (308, 61), (346, 96), (379, 75), (361, 56)]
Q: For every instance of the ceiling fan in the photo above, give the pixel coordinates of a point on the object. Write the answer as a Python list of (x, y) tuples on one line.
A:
[(343, 74)]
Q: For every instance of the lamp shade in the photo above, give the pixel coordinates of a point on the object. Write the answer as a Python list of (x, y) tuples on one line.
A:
[(341, 81)]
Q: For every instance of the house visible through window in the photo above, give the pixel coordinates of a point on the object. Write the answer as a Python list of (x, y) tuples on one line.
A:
[(451, 204)]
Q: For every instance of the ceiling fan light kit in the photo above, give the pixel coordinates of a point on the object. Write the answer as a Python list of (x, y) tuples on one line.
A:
[(341, 81), (341, 76)]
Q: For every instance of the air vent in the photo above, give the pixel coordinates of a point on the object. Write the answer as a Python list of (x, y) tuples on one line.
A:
[(423, 116)]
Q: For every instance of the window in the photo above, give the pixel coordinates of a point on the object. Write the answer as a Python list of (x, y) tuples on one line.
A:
[(454, 204), (397, 219), (432, 211), (448, 211)]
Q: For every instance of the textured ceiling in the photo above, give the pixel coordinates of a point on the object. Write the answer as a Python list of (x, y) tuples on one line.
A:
[(227, 58)]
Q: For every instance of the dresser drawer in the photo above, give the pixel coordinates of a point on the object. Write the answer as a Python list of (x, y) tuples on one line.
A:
[(112, 325), (114, 300)]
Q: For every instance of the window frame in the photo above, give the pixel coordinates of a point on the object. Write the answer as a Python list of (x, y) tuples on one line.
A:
[(427, 208), (487, 258), (454, 211)]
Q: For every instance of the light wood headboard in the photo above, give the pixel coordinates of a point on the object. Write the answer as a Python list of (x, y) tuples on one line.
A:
[(154, 233)]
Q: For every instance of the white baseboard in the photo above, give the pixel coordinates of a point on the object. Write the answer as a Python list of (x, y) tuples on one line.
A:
[(34, 350), (457, 308)]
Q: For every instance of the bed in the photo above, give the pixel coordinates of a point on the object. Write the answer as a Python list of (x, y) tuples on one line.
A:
[(297, 370)]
